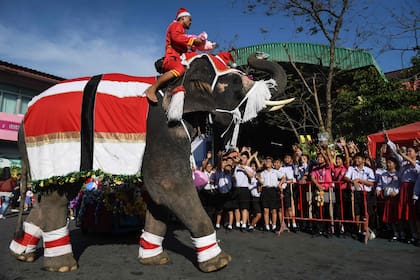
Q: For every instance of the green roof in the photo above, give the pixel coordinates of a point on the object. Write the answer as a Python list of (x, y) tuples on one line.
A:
[(345, 59)]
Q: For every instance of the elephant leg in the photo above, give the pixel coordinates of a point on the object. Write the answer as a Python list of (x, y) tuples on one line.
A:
[(58, 254), (24, 247), (210, 256), (151, 250)]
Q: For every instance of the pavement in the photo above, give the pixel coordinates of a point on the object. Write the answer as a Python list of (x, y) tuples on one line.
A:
[(256, 255)]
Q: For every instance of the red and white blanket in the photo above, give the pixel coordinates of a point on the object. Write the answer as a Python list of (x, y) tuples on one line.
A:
[(53, 123)]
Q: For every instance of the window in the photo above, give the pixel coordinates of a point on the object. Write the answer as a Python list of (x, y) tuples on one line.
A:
[(9, 102), (24, 104)]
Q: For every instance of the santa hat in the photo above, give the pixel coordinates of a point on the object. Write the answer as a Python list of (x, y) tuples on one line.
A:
[(227, 58), (182, 12)]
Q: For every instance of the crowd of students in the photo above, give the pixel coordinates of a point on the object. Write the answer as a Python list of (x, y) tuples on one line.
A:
[(338, 191)]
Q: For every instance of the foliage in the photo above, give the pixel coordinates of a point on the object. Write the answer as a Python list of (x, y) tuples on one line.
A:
[(368, 104)]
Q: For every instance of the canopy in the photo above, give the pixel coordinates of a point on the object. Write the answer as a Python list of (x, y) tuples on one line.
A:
[(403, 135)]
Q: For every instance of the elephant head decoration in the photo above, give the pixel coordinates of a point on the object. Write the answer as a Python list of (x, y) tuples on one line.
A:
[(101, 122)]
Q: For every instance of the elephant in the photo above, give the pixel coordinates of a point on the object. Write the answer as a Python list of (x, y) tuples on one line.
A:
[(65, 130)]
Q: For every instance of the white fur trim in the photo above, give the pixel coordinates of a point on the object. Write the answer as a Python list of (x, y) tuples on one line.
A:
[(55, 235), (183, 14), (153, 239), (176, 106), (204, 241)]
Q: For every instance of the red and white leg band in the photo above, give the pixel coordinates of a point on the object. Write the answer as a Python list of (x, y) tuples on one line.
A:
[(206, 247), (57, 242), (28, 243), (150, 245)]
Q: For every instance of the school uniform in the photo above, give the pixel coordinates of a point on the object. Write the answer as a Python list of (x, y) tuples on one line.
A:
[(270, 196), (255, 196), (408, 175), (242, 184), (288, 171), (365, 173), (387, 182)]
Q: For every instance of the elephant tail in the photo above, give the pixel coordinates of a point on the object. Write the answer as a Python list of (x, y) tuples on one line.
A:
[(23, 181)]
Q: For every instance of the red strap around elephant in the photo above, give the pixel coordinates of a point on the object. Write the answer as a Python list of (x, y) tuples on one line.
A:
[(178, 89)]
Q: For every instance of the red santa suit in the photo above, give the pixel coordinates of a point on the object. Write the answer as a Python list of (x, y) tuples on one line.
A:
[(177, 43)]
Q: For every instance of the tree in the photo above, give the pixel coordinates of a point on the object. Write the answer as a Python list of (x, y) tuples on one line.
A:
[(404, 35), (368, 104), (325, 17)]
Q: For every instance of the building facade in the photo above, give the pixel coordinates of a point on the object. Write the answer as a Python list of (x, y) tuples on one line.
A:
[(17, 87)]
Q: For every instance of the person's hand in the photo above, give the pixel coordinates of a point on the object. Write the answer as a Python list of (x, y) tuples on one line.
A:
[(383, 149), (386, 136), (342, 141), (209, 154), (198, 42), (416, 142), (254, 155)]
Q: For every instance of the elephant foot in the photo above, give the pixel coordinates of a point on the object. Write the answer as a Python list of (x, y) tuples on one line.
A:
[(216, 263), (64, 263), (162, 258), (28, 257)]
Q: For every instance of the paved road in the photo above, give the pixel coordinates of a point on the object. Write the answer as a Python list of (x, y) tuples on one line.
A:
[(256, 255)]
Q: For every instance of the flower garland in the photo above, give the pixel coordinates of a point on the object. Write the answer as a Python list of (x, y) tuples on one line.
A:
[(120, 194), (81, 177)]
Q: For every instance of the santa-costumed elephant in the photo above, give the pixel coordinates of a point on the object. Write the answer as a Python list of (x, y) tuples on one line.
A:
[(104, 123)]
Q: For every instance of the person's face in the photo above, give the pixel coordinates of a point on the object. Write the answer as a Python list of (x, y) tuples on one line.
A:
[(287, 159), (229, 161), (209, 167), (277, 164), (228, 168), (339, 161), (359, 161), (268, 163), (304, 159), (390, 165), (383, 161), (411, 153), (186, 21), (320, 159), (244, 159), (253, 166)]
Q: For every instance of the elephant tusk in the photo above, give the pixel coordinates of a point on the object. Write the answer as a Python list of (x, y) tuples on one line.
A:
[(278, 102), (275, 108)]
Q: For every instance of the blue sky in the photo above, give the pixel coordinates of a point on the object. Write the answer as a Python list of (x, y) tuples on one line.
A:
[(78, 38)]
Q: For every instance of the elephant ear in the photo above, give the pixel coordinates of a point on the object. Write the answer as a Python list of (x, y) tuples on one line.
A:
[(198, 80)]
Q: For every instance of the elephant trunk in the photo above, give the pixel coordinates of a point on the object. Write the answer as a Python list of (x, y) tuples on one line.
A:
[(277, 72)]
